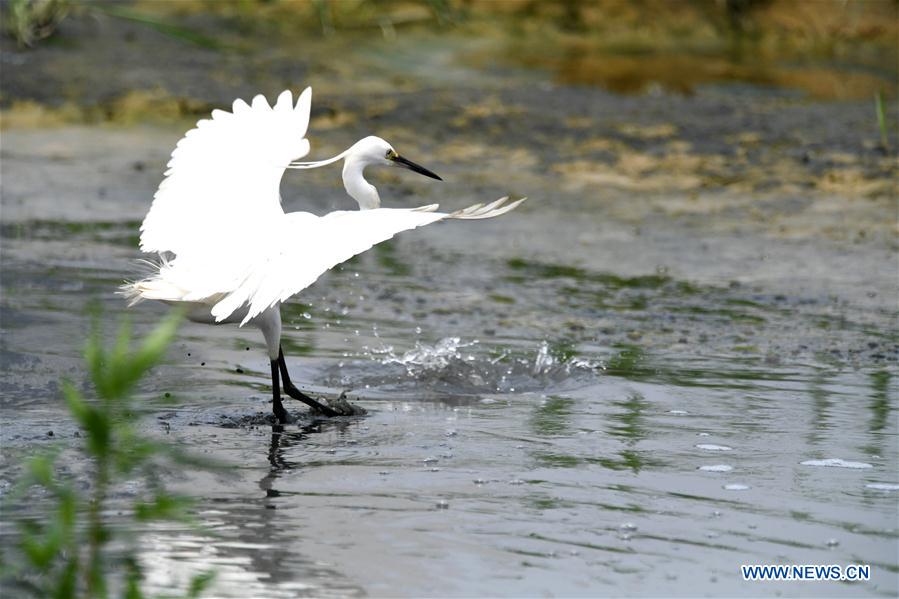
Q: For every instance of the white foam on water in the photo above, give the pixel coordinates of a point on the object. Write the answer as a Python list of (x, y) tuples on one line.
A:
[(882, 486), (712, 447), (836, 463), (716, 468), (735, 487)]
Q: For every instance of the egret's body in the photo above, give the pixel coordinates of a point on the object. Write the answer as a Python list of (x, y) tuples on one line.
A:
[(230, 254)]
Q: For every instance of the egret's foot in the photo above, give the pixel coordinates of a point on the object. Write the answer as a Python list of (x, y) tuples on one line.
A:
[(345, 408), (315, 405), (281, 415)]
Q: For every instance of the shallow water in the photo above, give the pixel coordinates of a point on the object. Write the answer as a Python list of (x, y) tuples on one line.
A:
[(630, 386), (533, 428)]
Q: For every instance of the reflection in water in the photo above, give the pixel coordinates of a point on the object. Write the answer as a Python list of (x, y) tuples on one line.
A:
[(631, 428), (821, 405), (552, 416), (638, 70), (631, 421), (253, 546), (880, 409)]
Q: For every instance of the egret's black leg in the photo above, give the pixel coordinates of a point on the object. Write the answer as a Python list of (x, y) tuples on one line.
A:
[(277, 408), (296, 393)]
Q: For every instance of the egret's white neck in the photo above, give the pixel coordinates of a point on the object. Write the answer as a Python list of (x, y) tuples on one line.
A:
[(354, 181), (355, 159)]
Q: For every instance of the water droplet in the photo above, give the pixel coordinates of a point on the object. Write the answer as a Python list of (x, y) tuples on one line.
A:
[(443, 504), (832, 542), (430, 460), (628, 526), (480, 481), (434, 469), (451, 432), (418, 330), (307, 315)]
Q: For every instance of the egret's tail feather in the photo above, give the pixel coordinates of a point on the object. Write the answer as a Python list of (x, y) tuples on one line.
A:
[(154, 285), (478, 211), (130, 291), (153, 288)]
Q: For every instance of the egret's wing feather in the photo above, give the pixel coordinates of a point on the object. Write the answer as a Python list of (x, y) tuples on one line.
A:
[(313, 245), (491, 210), (224, 175), (305, 246)]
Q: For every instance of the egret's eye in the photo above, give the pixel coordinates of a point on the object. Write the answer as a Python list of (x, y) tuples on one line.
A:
[(391, 155)]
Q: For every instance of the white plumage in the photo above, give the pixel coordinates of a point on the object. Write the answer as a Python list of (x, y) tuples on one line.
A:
[(224, 176), (227, 249)]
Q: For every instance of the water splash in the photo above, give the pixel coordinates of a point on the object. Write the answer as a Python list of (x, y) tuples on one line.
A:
[(472, 367), (425, 358), (544, 360)]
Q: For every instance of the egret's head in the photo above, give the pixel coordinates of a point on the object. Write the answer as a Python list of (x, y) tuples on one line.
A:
[(374, 150)]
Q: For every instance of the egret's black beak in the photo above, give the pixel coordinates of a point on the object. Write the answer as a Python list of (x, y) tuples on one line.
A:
[(400, 161)]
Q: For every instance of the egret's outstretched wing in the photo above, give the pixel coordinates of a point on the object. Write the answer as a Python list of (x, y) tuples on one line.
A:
[(224, 175), (313, 245)]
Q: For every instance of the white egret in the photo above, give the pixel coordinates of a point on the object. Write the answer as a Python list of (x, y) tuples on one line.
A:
[(226, 249)]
